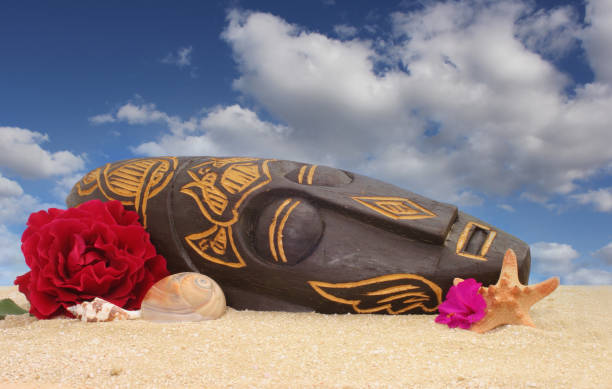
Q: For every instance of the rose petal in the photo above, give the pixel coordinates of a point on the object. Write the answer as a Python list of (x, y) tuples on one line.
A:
[(95, 250)]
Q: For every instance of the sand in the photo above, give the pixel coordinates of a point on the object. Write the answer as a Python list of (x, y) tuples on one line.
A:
[(245, 349)]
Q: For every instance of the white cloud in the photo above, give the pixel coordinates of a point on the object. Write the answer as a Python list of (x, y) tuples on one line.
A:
[(553, 258), (145, 114), (12, 262), (597, 38), (551, 32), (9, 188), (600, 198), (10, 247), (539, 198), (589, 277), (102, 118), (605, 253), (16, 209), (140, 114), (345, 31), (20, 152), (64, 185), (179, 145), (181, 58), (237, 121), (231, 130), (503, 121), (558, 259), (507, 207)]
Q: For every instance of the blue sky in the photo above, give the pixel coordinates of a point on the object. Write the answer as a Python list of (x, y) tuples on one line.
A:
[(503, 108)]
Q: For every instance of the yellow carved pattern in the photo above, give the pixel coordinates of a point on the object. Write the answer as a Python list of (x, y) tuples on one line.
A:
[(275, 235), (463, 241), (395, 207), (279, 238), (219, 243), (239, 177), (132, 182), (207, 241), (212, 197), (420, 293), (219, 186), (393, 289), (272, 228), (215, 199), (414, 297), (301, 174), (221, 162), (309, 175), (89, 183)]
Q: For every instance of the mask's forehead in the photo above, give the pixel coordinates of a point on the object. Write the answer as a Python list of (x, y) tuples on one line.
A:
[(380, 203)]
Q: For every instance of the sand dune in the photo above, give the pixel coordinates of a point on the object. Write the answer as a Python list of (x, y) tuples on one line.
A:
[(570, 348)]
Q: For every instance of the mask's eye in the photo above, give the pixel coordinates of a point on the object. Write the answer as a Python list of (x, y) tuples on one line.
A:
[(319, 175), (288, 230)]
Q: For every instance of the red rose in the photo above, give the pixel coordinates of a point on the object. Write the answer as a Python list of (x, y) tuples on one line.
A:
[(98, 249)]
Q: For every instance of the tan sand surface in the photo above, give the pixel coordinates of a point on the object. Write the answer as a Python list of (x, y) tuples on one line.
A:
[(571, 348)]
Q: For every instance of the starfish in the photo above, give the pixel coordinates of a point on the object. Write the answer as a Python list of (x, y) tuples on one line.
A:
[(509, 301)]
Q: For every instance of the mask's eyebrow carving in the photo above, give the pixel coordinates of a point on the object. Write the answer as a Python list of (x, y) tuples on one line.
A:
[(276, 234), (319, 175), (287, 230), (309, 176)]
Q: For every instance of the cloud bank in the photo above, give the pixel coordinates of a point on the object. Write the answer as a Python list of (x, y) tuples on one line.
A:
[(559, 259), (21, 153), (463, 102)]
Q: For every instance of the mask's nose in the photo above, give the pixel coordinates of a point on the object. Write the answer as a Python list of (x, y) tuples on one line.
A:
[(475, 249)]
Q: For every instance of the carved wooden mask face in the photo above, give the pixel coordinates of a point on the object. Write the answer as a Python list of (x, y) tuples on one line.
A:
[(282, 235)]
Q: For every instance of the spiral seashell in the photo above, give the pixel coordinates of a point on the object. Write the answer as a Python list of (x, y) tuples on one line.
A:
[(183, 297), (100, 310)]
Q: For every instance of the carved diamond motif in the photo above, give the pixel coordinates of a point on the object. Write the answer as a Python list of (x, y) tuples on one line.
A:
[(395, 207)]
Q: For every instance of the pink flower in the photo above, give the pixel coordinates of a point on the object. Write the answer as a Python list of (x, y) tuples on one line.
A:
[(463, 305)]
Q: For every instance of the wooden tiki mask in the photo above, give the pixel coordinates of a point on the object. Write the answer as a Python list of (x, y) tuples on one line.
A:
[(283, 235)]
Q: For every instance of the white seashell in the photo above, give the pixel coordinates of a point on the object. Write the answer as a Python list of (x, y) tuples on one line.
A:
[(183, 297), (101, 310)]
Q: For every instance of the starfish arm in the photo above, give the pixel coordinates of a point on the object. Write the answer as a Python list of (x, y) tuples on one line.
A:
[(509, 270), (538, 291), (487, 323), (525, 320)]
